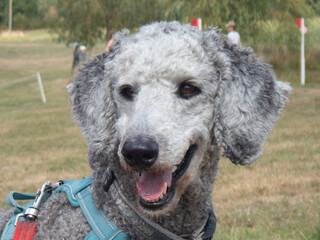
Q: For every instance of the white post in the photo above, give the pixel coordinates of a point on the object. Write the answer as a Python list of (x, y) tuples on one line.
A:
[(303, 81), (41, 88), (10, 15), (200, 24)]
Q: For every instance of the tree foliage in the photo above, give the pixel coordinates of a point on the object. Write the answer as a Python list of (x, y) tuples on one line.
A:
[(27, 14), (132, 14), (87, 21), (267, 20), (81, 20)]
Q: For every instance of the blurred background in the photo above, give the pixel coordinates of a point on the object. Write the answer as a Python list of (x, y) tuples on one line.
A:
[(268, 26), (277, 197)]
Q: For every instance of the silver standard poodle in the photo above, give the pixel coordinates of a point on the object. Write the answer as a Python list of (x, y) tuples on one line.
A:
[(155, 111)]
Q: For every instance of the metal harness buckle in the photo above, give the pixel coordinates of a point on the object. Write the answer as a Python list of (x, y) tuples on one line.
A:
[(43, 194)]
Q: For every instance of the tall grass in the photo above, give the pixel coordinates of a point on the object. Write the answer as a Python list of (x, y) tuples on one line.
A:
[(277, 197)]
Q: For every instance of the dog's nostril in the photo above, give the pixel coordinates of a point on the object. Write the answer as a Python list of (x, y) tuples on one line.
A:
[(129, 157), (147, 156), (140, 152)]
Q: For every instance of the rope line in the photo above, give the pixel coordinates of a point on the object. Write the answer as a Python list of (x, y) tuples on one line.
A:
[(19, 80)]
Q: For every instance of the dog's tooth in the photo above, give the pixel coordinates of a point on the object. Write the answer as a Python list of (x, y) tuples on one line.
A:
[(174, 169), (161, 196), (165, 188)]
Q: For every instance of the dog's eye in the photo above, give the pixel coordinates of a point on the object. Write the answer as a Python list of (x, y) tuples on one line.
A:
[(187, 90), (127, 92)]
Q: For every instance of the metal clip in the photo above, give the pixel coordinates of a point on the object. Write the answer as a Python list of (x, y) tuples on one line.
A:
[(43, 194)]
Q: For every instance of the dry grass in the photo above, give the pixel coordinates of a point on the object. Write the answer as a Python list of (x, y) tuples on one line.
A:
[(278, 197)]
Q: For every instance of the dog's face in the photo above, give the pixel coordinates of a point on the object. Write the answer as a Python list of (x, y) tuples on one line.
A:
[(159, 99), (165, 107)]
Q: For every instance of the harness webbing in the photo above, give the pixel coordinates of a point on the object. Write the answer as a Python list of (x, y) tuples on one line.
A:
[(78, 193), (25, 230), (103, 227)]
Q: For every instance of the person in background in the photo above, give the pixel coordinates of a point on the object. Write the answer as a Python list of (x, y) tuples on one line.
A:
[(110, 41), (75, 46), (79, 57), (82, 54), (233, 36)]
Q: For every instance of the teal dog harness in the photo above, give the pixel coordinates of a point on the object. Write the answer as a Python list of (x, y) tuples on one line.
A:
[(78, 193)]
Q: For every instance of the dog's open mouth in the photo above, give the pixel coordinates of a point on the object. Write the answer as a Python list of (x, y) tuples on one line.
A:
[(157, 188)]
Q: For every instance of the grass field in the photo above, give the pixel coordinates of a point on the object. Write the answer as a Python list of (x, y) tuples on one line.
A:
[(278, 197)]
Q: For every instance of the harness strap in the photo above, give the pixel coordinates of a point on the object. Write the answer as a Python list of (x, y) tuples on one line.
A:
[(210, 227), (102, 226), (8, 232), (25, 230), (91, 236), (78, 193), (13, 196), (72, 187)]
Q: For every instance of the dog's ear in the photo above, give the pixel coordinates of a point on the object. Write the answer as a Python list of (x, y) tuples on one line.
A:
[(93, 106), (93, 109), (248, 102)]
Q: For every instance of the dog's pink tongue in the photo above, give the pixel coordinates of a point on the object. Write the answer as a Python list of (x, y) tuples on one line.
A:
[(152, 185)]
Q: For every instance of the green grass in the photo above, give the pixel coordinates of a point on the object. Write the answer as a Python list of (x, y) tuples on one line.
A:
[(278, 197)]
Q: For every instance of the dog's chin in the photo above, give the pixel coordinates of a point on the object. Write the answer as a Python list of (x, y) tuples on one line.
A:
[(169, 185)]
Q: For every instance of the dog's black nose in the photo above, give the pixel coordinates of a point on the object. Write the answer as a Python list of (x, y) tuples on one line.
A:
[(140, 152)]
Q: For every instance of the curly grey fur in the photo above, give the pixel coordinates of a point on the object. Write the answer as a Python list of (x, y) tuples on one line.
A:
[(239, 103), (5, 215)]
